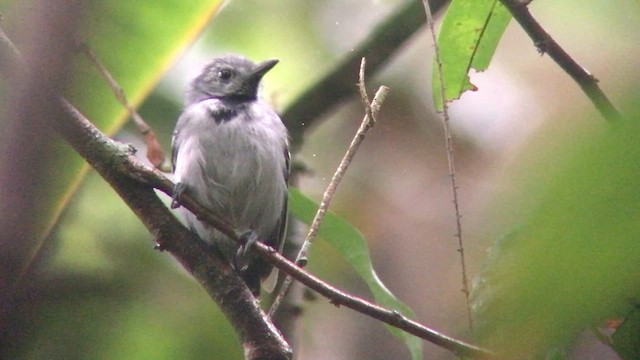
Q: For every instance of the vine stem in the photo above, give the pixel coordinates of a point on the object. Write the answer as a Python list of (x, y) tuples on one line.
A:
[(450, 161)]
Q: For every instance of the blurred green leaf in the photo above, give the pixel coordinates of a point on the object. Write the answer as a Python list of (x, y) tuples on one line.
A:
[(353, 247), (468, 38), (574, 260), (137, 41)]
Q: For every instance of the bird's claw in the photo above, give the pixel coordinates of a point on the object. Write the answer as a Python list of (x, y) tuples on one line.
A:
[(177, 192), (246, 239)]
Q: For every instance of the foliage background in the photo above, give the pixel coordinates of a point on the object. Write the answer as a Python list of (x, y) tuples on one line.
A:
[(108, 295)]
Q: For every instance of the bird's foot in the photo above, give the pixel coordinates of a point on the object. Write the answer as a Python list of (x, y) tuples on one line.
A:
[(246, 239), (177, 192)]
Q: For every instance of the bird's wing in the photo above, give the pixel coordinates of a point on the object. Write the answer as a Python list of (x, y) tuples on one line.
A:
[(175, 146), (176, 140), (278, 236), (282, 224)]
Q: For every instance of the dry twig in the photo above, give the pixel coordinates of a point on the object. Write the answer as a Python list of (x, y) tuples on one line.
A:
[(155, 153), (371, 111), (452, 170)]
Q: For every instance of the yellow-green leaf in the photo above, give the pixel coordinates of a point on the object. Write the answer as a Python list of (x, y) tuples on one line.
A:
[(468, 38), (137, 41)]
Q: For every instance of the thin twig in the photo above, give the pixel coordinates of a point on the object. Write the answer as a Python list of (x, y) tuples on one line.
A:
[(155, 153), (390, 317), (547, 45), (368, 122), (452, 170), (364, 97)]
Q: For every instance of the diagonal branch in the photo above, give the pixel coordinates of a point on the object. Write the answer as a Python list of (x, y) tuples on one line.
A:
[(131, 167), (259, 337), (113, 161), (547, 45)]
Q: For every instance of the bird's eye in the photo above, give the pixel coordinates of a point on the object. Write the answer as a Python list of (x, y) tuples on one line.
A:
[(225, 74)]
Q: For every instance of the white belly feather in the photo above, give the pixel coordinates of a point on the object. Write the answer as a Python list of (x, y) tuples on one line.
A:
[(236, 171)]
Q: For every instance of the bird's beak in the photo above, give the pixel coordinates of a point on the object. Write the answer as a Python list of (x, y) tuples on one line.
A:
[(263, 67)]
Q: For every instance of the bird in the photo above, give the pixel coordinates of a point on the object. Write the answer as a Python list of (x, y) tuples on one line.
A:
[(230, 151)]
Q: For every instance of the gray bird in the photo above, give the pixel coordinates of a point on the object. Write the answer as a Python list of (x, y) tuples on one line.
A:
[(231, 152)]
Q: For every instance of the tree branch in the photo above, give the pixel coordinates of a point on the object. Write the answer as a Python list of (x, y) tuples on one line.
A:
[(115, 163), (129, 166), (335, 296), (546, 44)]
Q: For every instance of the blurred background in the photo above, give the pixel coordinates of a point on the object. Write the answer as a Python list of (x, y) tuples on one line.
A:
[(98, 290)]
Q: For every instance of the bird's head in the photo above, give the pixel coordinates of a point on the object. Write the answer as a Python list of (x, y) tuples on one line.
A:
[(229, 77)]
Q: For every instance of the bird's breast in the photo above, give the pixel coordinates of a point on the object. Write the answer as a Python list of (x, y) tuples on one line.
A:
[(241, 163)]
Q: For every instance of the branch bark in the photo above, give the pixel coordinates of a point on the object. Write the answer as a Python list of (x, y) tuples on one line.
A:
[(116, 164), (260, 339)]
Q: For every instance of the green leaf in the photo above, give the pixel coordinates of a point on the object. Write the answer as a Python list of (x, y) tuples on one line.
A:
[(468, 39), (574, 260), (353, 247), (137, 41)]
